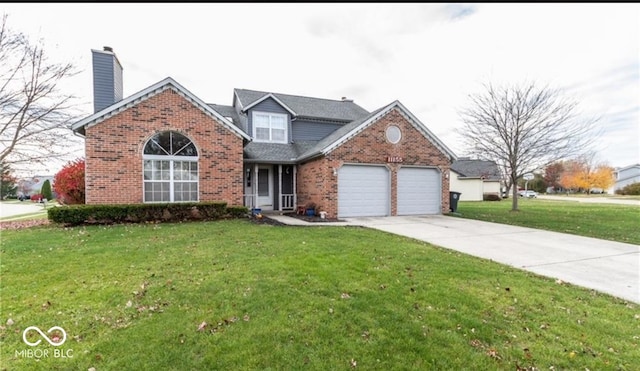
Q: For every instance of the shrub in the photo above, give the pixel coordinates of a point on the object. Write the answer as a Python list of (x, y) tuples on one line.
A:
[(69, 183), (37, 197), (491, 197), (46, 190), (632, 189), (140, 213)]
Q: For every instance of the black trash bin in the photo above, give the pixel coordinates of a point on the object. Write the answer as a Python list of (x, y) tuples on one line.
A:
[(453, 201)]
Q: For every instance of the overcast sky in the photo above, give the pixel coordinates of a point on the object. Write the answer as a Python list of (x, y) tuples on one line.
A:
[(430, 57)]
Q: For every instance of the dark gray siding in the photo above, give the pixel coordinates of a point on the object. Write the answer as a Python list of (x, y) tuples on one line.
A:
[(309, 130), (268, 105), (107, 80), (117, 81)]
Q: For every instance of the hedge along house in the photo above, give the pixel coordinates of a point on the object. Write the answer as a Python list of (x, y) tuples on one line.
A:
[(268, 150)]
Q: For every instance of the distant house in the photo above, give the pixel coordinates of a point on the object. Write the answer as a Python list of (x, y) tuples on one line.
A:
[(266, 150), (33, 185), (626, 175), (474, 178)]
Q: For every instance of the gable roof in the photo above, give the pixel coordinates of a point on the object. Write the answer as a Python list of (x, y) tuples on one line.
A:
[(348, 131), (304, 107), (168, 83), (468, 168)]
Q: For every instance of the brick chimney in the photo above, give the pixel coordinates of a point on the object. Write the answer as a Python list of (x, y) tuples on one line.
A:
[(107, 78)]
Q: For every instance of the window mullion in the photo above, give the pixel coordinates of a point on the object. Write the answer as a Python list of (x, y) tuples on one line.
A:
[(170, 180)]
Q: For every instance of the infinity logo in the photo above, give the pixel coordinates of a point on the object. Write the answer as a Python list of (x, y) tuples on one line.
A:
[(24, 336)]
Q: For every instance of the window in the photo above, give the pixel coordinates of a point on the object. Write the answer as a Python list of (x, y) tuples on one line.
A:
[(170, 165), (270, 127), (393, 134)]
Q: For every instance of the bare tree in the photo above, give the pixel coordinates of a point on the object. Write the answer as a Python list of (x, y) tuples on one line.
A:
[(524, 128), (34, 114)]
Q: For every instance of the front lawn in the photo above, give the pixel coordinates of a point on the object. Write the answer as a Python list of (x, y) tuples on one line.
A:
[(241, 296), (606, 221)]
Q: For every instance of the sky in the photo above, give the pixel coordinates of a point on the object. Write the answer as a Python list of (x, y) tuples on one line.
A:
[(430, 57)]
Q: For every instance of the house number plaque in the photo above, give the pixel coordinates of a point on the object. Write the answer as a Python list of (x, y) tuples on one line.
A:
[(394, 159)]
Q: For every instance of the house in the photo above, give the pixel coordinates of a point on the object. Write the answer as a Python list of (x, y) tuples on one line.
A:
[(474, 178), (626, 175), (267, 150), (33, 185)]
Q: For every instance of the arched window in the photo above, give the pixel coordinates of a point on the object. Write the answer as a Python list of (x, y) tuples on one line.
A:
[(170, 163)]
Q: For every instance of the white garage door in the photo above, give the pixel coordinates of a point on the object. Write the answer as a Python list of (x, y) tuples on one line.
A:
[(419, 191), (363, 191)]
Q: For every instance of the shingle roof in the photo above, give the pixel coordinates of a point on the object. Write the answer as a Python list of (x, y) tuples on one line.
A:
[(229, 111), (276, 152), (338, 110), (476, 168)]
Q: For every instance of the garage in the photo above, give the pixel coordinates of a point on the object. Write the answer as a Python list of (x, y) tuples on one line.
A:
[(419, 191), (363, 190)]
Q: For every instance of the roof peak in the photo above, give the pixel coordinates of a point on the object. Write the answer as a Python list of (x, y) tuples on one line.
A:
[(343, 99)]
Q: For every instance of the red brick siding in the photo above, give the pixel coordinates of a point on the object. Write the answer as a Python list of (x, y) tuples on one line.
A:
[(316, 180), (114, 151)]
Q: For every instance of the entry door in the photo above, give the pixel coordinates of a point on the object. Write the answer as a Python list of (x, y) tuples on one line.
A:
[(265, 188)]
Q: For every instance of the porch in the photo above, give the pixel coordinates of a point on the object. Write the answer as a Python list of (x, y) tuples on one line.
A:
[(270, 187)]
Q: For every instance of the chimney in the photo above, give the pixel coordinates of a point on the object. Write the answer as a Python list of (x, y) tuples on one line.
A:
[(107, 78)]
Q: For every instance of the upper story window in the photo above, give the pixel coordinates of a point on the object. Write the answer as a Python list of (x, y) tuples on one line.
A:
[(270, 127), (170, 166)]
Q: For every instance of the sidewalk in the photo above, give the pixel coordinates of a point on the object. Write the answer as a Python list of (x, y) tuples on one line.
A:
[(590, 199)]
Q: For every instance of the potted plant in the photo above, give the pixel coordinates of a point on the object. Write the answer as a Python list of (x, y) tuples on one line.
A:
[(310, 208)]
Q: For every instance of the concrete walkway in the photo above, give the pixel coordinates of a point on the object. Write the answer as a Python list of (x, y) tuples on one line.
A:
[(606, 266)]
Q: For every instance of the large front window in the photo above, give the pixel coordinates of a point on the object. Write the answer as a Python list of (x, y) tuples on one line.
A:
[(170, 163), (270, 127)]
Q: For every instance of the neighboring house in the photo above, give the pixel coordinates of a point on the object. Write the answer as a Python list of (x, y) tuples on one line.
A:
[(268, 150), (33, 185), (474, 178), (626, 175)]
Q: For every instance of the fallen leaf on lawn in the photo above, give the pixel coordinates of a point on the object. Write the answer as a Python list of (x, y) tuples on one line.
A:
[(129, 304), (202, 326), (345, 296), (353, 363), (10, 322), (493, 354), (246, 318)]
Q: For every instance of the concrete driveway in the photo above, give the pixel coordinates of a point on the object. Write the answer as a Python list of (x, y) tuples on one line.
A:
[(605, 266)]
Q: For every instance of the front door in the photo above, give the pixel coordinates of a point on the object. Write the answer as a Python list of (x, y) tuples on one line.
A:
[(265, 188)]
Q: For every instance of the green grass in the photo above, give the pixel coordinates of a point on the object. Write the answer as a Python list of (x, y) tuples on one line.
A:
[(605, 221), (132, 297)]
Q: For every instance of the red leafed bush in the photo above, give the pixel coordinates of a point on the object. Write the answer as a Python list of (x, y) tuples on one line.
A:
[(37, 197), (69, 183)]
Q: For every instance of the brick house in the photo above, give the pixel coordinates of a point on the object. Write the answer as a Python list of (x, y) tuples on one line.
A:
[(268, 150)]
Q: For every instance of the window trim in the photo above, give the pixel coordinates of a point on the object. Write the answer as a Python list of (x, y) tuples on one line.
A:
[(270, 115)]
